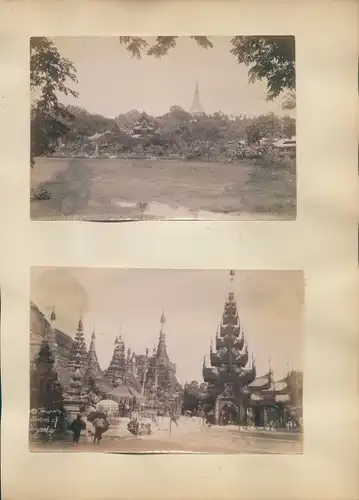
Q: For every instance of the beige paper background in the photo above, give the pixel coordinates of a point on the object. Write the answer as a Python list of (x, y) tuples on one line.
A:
[(322, 242)]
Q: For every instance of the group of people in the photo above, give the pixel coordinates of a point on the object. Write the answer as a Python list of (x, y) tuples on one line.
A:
[(79, 425)]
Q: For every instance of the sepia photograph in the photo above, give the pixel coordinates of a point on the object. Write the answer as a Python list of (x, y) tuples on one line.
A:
[(148, 361), (163, 128)]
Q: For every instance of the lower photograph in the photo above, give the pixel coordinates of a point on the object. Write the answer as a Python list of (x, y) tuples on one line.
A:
[(166, 361)]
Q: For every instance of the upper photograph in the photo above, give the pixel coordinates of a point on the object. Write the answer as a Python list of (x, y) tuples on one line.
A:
[(163, 128)]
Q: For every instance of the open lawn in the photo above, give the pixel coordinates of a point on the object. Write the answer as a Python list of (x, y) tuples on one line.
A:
[(120, 189)]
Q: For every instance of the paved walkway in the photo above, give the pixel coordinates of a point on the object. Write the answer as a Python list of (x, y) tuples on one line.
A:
[(204, 441)]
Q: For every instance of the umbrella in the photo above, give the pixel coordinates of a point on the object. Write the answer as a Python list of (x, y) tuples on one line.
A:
[(96, 414)]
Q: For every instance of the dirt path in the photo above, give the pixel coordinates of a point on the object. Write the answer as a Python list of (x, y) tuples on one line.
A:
[(203, 441)]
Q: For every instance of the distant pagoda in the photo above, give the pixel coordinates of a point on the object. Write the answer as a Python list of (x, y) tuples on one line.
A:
[(196, 109)]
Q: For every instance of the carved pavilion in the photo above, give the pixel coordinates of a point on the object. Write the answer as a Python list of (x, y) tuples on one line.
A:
[(235, 393)]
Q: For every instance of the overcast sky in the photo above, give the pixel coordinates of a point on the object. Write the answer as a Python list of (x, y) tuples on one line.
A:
[(131, 301), (112, 82)]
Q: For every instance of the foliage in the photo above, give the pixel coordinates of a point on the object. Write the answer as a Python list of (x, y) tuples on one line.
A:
[(193, 396), (289, 101), (264, 126), (269, 58), (46, 390), (49, 74)]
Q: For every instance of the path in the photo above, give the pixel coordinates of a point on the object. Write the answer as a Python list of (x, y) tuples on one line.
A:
[(205, 440)]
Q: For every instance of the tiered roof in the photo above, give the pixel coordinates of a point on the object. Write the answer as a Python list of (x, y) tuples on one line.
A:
[(115, 373), (230, 359)]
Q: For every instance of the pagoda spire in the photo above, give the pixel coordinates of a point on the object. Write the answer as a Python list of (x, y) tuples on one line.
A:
[(161, 349), (93, 366), (196, 108), (116, 370), (51, 336), (78, 353), (77, 361)]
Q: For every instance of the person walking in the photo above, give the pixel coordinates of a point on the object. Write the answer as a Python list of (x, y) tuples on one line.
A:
[(77, 426), (99, 424)]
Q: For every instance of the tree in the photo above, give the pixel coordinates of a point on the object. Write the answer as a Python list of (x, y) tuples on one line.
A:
[(289, 126), (179, 113), (290, 100), (270, 58), (264, 126), (49, 74), (46, 390)]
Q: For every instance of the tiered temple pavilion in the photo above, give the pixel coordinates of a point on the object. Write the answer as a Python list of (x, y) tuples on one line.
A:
[(235, 393)]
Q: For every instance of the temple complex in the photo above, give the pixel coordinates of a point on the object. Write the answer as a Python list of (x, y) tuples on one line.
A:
[(149, 379), (235, 393)]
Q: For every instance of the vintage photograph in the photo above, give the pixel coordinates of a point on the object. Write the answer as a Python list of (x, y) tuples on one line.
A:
[(140, 360), (163, 128)]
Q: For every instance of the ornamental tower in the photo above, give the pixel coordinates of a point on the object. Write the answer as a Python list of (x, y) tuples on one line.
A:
[(164, 376), (76, 394), (196, 108), (228, 376), (93, 366), (115, 373), (78, 353)]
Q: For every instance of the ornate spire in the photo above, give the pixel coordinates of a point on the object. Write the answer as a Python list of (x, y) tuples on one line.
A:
[(77, 361), (161, 349), (50, 334), (93, 366), (117, 369), (78, 353), (53, 314), (196, 108)]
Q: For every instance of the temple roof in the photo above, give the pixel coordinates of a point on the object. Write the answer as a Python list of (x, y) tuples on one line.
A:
[(280, 386), (260, 382), (121, 391)]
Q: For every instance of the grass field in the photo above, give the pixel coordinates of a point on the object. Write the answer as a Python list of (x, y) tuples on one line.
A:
[(120, 189)]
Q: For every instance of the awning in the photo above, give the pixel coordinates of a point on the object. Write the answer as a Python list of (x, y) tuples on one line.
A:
[(120, 392)]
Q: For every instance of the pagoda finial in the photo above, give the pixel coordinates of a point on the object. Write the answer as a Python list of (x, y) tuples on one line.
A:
[(232, 274), (288, 368), (53, 314), (80, 325), (162, 319)]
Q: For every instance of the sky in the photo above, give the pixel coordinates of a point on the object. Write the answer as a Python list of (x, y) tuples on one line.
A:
[(130, 302), (112, 82)]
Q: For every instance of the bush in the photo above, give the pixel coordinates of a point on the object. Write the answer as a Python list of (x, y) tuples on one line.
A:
[(40, 194)]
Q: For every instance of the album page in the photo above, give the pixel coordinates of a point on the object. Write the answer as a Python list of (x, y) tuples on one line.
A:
[(179, 259)]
